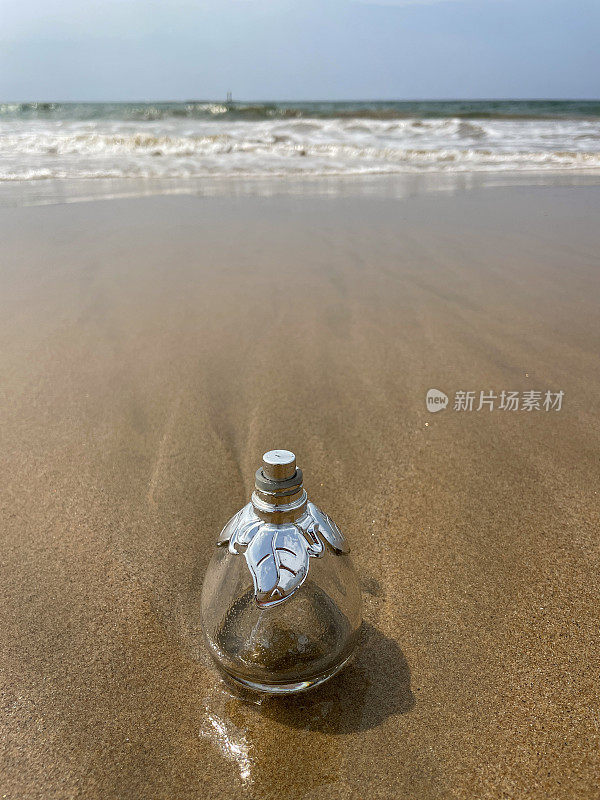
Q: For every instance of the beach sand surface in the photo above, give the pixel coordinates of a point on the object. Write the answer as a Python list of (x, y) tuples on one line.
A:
[(153, 348)]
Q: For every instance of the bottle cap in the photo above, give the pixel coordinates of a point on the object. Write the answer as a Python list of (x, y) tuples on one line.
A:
[(279, 465)]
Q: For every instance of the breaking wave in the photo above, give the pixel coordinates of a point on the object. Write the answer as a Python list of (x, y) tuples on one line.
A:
[(48, 145)]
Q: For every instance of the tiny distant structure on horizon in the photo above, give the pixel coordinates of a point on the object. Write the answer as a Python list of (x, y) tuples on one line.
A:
[(229, 98)]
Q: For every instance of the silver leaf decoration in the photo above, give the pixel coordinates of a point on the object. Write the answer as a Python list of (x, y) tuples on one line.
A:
[(326, 527), (278, 556), (278, 560), (240, 529)]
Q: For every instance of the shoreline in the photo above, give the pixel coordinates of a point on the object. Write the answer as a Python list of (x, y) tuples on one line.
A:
[(396, 186)]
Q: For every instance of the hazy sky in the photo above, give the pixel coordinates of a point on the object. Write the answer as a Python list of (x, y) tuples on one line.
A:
[(287, 49)]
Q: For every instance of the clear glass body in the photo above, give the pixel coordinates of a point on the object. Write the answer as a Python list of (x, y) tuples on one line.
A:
[(289, 647)]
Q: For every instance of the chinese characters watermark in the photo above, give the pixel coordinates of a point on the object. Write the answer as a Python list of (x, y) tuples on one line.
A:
[(530, 400)]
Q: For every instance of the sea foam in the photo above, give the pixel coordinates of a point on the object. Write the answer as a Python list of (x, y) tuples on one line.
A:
[(88, 141)]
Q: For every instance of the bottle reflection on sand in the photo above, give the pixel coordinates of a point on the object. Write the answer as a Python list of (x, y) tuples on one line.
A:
[(271, 765), (285, 747)]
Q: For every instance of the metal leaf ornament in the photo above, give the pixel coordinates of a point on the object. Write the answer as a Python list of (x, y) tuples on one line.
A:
[(278, 556)]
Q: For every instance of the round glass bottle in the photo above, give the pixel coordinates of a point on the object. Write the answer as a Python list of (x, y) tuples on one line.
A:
[(281, 608)]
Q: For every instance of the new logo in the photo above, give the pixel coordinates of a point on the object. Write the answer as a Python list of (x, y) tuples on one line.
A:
[(436, 400)]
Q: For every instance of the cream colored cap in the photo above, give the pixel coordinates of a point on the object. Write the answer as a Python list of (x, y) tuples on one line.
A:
[(279, 465)]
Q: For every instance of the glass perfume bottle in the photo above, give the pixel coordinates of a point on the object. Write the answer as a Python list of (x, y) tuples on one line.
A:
[(281, 606)]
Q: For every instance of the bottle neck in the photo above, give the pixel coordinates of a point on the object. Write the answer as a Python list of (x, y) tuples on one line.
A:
[(279, 510), (279, 496)]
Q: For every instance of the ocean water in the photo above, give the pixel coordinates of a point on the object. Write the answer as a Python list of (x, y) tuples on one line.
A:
[(196, 139)]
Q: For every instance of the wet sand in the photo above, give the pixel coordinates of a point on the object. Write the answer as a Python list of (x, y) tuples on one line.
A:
[(153, 348)]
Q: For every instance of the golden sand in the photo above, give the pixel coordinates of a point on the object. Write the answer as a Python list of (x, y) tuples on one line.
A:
[(152, 349)]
